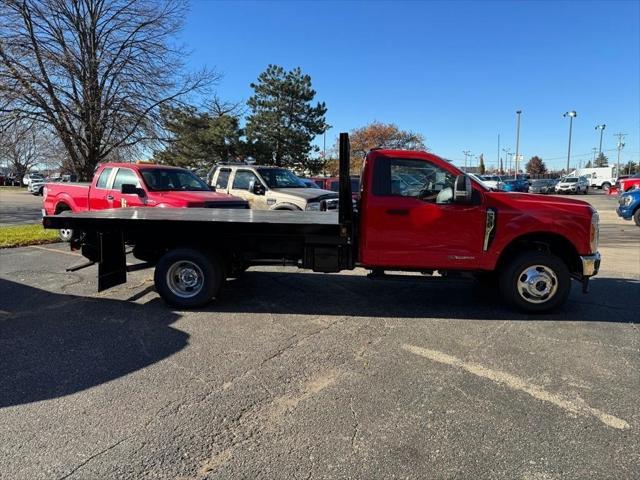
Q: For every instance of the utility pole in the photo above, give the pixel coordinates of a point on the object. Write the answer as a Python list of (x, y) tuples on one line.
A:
[(620, 146), (518, 112), (601, 128), (498, 149), (466, 153), (594, 149), (571, 114)]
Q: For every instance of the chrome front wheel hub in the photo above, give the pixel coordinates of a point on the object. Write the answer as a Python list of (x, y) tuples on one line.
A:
[(185, 279), (537, 284)]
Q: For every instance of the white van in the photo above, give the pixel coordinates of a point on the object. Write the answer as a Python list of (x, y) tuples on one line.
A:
[(598, 177)]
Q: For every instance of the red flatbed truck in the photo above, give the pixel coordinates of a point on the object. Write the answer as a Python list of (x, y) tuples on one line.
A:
[(417, 213)]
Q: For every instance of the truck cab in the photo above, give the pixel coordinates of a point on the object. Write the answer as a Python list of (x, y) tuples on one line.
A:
[(271, 188)]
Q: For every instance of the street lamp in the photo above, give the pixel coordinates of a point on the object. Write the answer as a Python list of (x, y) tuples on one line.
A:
[(601, 128), (518, 112), (507, 153), (571, 114)]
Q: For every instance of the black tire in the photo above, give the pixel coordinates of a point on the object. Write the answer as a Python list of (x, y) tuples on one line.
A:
[(606, 186), (636, 217), (550, 282), (188, 277)]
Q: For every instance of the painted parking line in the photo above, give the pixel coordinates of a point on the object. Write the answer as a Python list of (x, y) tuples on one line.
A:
[(54, 250), (516, 383)]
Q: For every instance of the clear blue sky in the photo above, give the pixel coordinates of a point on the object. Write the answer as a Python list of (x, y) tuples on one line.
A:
[(455, 72)]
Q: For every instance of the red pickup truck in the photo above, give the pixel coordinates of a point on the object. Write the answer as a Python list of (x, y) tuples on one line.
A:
[(117, 185), (417, 213)]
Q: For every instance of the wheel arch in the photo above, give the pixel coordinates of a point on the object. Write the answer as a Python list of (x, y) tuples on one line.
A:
[(550, 242)]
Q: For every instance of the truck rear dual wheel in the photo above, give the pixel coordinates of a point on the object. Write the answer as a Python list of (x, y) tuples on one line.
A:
[(535, 282), (188, 277)]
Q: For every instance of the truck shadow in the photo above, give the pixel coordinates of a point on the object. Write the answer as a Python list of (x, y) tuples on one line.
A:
[(52, 345), (609, 300)]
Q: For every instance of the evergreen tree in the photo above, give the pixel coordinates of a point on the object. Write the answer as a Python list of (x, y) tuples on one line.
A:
[(282, 120), (588, 165), (482, 167), (601, 160), (198, 139)]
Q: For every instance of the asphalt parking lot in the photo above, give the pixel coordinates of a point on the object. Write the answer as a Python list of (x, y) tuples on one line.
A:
[(17, 206), (300, 375)]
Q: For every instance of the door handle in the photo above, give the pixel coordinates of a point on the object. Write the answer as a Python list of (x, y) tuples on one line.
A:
[(398, 211), (109, 197)]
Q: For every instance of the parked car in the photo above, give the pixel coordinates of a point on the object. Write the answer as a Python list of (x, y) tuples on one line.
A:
[(629, 206), (628, 183), (333, 184), (514, 185), (492, 181), (29, 177), (572, 185), (119, 185), (271, 188), (543, 185)]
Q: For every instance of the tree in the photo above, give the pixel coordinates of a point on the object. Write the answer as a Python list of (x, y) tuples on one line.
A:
[(630, 168), (601, 160), (482, 168), (588, 165), (383, 135), (196, 139), (96, 71), (22, 147), (282, 120), (535, 165), (501, 172)]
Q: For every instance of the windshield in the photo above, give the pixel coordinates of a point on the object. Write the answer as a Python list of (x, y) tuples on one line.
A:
[(168, 179), (541, 182), (570, 180), (280, 178)]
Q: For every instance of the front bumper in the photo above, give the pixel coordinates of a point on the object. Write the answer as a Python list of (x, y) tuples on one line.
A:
[(590, 264), (624, 212)]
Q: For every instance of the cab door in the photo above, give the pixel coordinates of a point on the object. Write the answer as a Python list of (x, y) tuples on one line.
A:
[(241, 183), (120, 200), (99, 194), (411, 222)]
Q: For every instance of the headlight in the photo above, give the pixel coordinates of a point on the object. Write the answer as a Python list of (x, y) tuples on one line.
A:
[(313, 206), (594, 235), (626, 201)]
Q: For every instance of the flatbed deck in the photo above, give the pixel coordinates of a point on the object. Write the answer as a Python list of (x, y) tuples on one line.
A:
[(223, 220)]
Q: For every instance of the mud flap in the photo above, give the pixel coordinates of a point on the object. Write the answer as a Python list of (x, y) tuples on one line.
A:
[(112, 268)]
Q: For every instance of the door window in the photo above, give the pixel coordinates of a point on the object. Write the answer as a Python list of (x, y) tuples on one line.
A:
[(104, 178), (125, 176), (223, 178), (243, 179), (413, 178)]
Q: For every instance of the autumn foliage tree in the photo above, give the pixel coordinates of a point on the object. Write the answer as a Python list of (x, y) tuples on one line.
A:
[(535, 165), (381, 135)]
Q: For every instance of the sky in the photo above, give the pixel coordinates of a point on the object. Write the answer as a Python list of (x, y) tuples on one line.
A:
[(456, 72)]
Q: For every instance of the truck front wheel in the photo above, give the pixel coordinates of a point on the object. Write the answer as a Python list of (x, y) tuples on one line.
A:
[(636, 217), (188, 277), (535, 282)]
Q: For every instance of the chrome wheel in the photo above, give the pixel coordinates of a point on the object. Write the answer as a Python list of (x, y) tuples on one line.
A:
[(185, 279), (537, 284)]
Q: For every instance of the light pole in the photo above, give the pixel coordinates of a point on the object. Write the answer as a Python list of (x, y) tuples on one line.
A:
[(507, 152), (594, 156), (518, 112), (601, 128), (571, 114)]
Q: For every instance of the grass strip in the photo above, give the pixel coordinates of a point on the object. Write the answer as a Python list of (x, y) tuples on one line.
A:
[(23, 235)]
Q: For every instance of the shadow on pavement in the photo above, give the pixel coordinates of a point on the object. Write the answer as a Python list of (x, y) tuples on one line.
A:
[(609, 300), (53, 345)]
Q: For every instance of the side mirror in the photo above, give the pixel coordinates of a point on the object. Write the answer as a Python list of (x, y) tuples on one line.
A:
[(257, 188), (462, 189), (130, 189)]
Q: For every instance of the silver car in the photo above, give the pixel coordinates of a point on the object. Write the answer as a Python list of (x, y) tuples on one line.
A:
[(573, 185)]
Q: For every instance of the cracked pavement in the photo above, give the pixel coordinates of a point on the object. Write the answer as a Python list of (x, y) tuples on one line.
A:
[(293, 374)]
